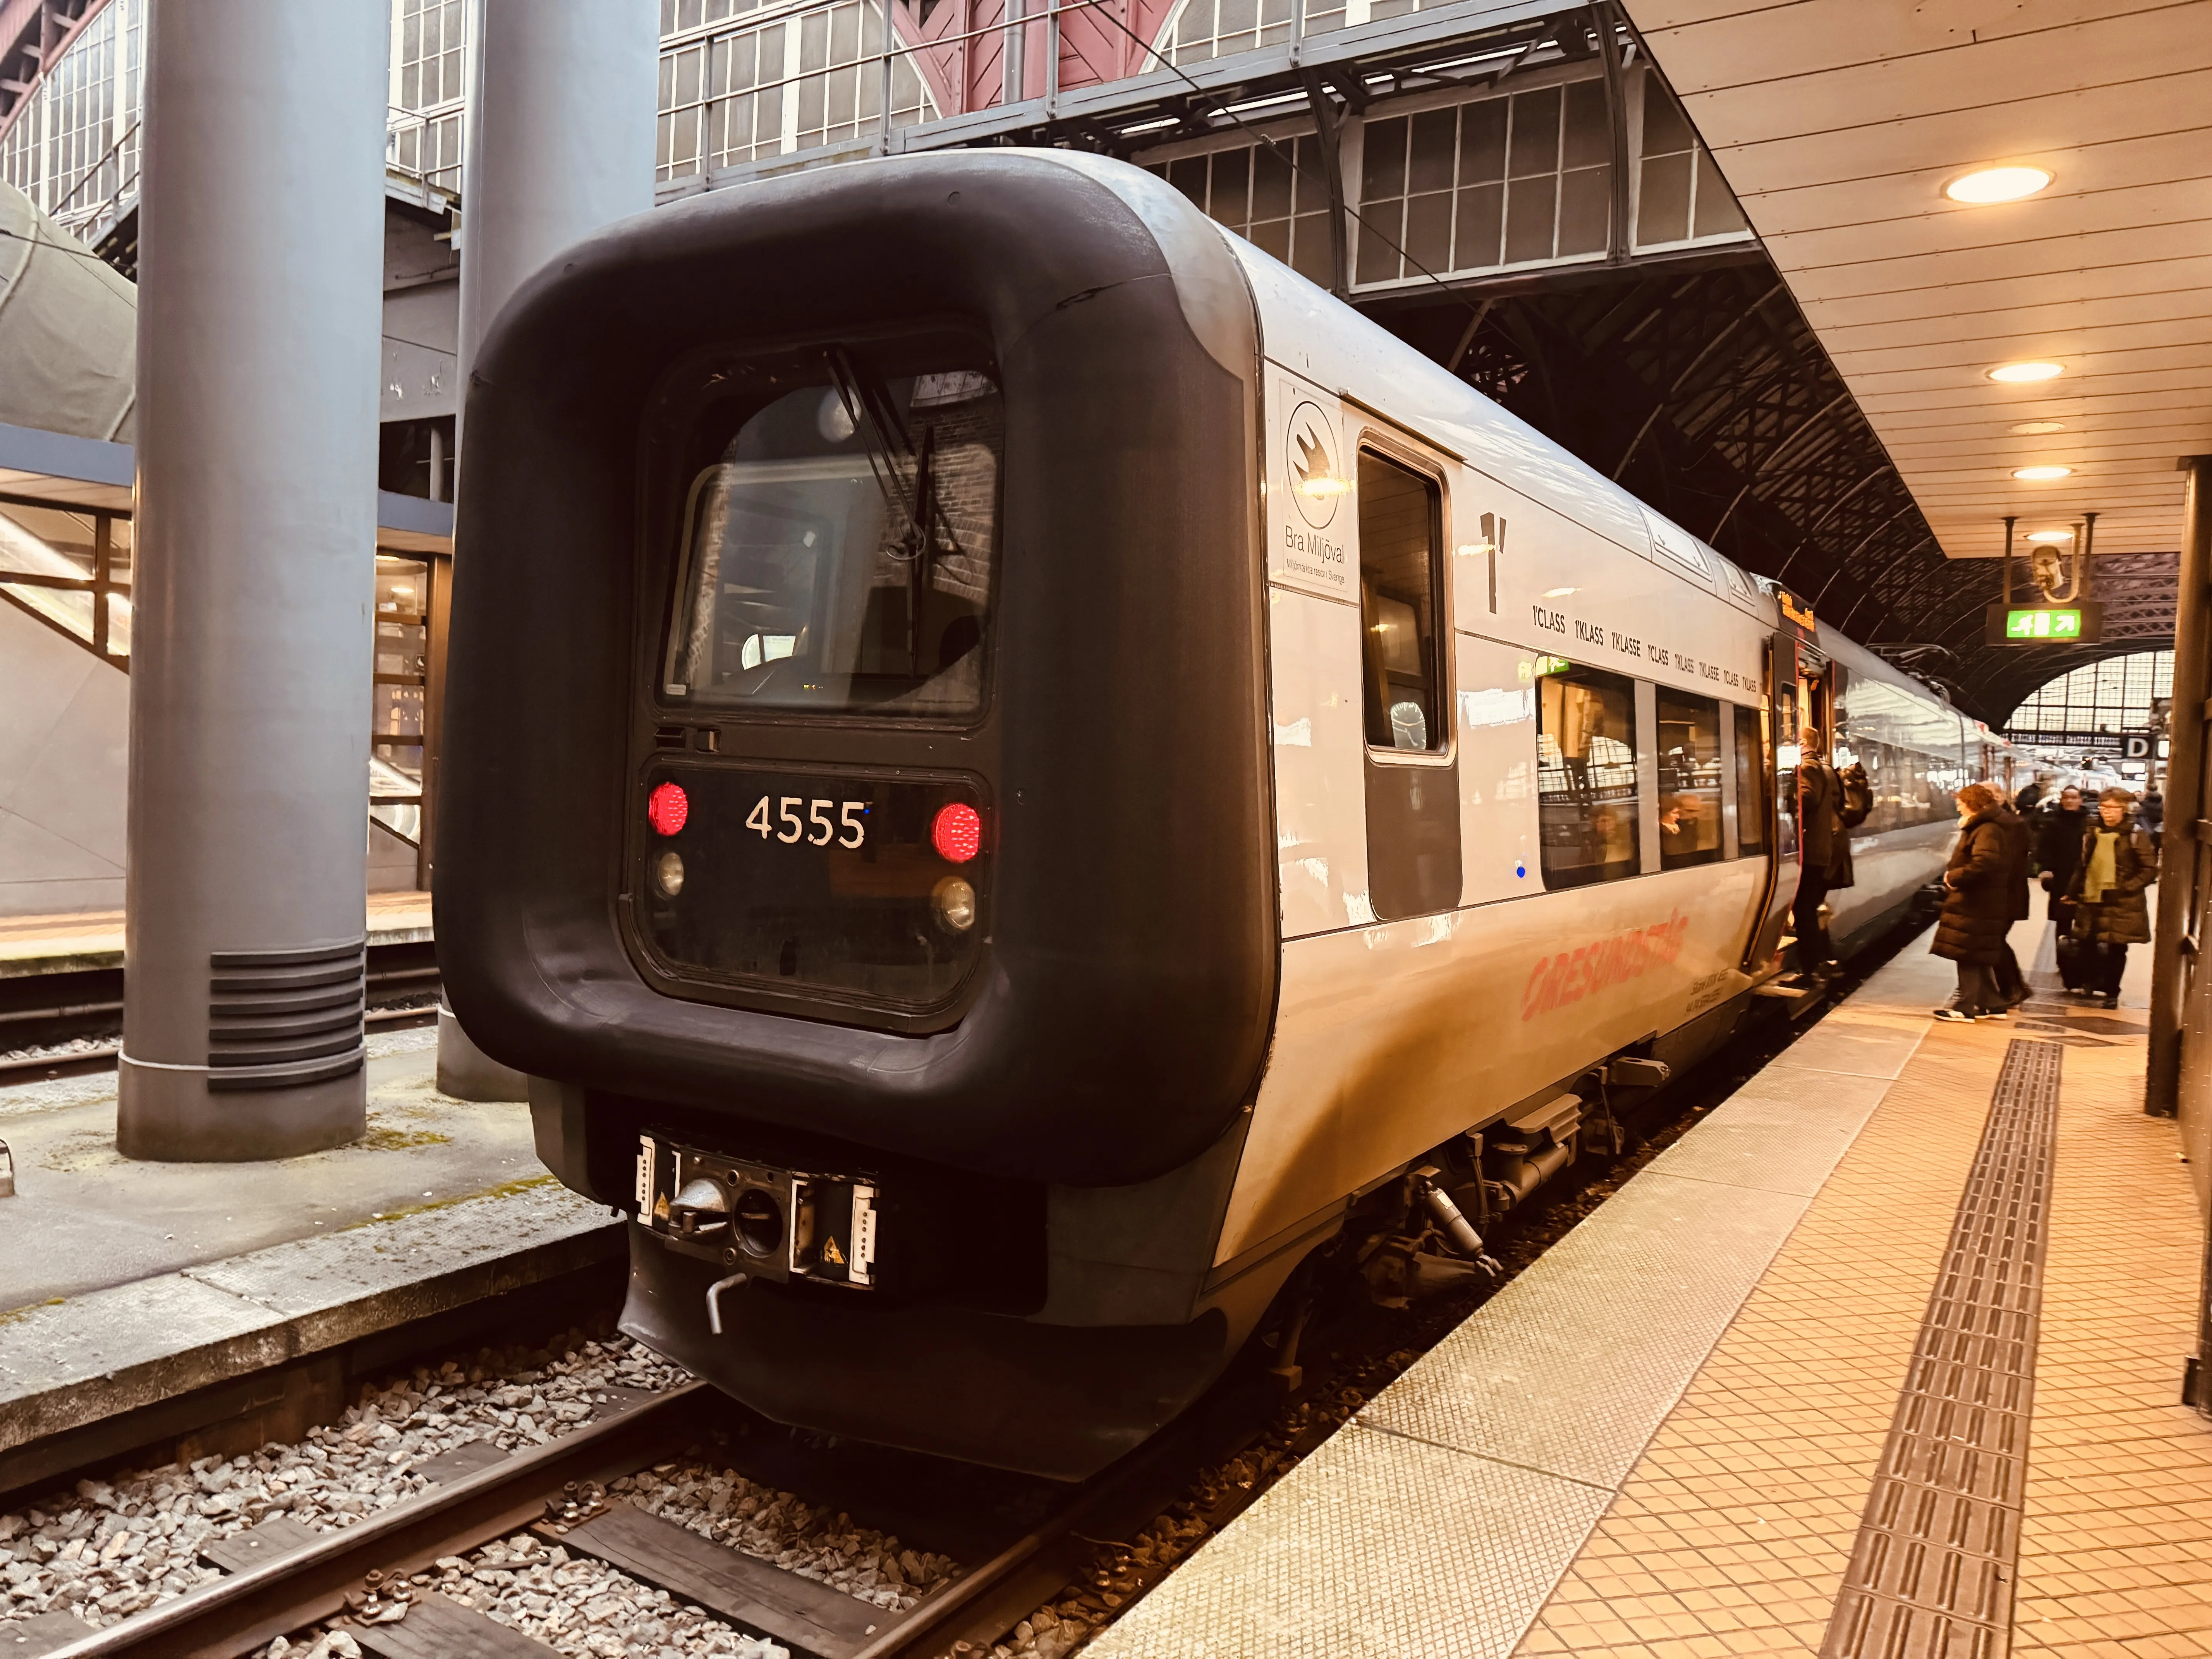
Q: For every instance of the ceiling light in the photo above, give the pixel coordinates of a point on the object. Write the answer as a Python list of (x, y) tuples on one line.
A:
[(2039, 474), (2023, 373), (2051, 535), (1989, 185), (1559, 592), (2031, 428)]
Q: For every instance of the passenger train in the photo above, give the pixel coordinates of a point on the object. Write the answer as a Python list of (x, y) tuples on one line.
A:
[(1014, 772)]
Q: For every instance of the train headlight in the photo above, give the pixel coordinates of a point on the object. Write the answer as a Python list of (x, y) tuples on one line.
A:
[(954, 901), (668, 873)]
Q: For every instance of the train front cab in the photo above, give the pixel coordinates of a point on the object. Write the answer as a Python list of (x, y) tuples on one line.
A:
[(858, 823)]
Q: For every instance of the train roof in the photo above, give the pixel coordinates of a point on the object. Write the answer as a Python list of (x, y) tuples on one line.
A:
[(1337, 346)]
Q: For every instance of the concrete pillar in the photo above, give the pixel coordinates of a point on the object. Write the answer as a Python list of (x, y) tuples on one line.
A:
[(260, 309), (561, 140), (563, 102)]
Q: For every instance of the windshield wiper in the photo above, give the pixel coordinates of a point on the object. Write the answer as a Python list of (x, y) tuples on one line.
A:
[(888, 444)]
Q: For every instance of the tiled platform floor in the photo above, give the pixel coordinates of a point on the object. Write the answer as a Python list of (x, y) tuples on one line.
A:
[(1728, 1532)]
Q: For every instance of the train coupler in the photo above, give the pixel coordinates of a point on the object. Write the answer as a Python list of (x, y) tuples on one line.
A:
[(770, 1223)]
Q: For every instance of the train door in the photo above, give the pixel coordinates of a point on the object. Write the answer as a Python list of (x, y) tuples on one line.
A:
[(1802, 683), (1412, 760)]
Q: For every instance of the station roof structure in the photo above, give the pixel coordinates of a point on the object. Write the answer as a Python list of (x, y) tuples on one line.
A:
[(1795, 368), (1849, 130)]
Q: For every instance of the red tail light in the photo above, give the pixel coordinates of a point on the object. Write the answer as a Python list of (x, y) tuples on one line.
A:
[(956, 832), (667, 808)]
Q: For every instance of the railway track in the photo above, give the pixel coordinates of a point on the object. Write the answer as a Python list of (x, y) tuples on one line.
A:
[(1020, 1544), (556, 1493), (38, 1013)]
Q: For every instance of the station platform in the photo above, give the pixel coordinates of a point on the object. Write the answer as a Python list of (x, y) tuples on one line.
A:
[(129, 1291), (93, 939), (1881, 1360)]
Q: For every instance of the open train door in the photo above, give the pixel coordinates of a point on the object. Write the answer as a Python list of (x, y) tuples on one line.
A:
[(1800, 684)]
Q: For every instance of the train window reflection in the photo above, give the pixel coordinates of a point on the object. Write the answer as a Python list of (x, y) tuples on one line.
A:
[(1400, 528), (1906, 788), (1689, 780), (1754, 794), (838, 555), (1586, 800)]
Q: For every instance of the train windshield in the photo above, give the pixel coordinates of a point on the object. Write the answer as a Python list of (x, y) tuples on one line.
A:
[(838, 556)]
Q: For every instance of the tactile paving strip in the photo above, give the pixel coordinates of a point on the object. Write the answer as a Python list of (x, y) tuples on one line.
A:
[(1931, 1575), (1386, 1548), (1570, 1369), (1790, 1145)]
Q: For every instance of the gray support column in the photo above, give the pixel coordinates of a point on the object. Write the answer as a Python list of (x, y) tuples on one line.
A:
[(2183, 852), (561, 118), (561, 140), (259, 318)]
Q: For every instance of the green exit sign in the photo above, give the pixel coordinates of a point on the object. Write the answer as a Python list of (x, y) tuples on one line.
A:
[(2040, 624), (2043, 624)]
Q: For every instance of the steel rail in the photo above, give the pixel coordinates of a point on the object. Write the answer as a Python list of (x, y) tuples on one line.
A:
[(991, 1597), (235, 1615)]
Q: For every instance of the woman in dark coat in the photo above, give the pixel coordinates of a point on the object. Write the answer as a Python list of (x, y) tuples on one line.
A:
[(2117, 863), (1978, 904), (2059, 837)]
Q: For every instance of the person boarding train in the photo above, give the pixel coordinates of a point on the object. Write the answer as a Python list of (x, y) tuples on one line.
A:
[(1830, 805)]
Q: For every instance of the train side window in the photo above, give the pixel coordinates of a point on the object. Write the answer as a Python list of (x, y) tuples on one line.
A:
[(1401, 535), (1689, 780), (1754, 783), (1587, 798)]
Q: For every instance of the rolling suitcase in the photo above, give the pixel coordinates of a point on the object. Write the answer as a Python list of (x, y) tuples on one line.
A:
[(2073, 961), (2078, 958)]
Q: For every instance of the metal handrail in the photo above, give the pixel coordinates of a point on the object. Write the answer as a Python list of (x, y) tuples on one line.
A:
[(89, 173), (398, 120)]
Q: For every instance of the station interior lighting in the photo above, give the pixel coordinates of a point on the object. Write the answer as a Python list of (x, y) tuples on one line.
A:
[(2037, 474), (2051, 535), (1988, 185), (2033, 429), (2026, 373)]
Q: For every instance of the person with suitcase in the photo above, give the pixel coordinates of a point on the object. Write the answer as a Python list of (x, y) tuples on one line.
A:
[(2111, 913), (2059, 834)]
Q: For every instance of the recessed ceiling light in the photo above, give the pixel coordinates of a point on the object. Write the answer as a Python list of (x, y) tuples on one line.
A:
[(2051, 535), (2037, 474), (2031, 428), (1989, 185), (2022, 373)]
